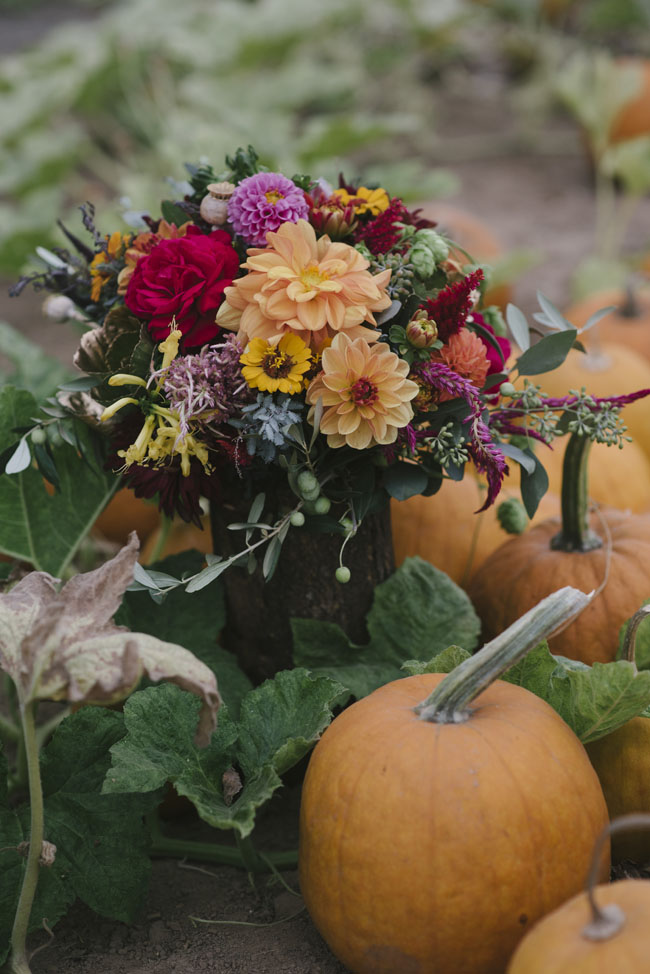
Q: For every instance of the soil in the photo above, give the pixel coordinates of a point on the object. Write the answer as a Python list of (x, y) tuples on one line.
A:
[(531, 200)]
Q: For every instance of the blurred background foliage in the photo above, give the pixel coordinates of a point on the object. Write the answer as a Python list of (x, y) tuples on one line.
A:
[(110, 103)]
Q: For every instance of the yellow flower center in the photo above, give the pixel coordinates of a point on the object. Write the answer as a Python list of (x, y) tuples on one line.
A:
[(272, 196), (312, 276), (364, 392)]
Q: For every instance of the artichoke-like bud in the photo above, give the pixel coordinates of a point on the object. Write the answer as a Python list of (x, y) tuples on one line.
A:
[(421, 330), (434, 242)]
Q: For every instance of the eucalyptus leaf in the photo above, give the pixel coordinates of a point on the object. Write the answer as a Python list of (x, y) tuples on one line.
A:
[(548, 353), (518, 326)]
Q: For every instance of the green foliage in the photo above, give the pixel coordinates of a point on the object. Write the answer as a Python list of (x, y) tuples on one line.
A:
[(443, 662), (593, 700), (34, 370), (279, 723), (34, 526), (101, 841), (416, 613)]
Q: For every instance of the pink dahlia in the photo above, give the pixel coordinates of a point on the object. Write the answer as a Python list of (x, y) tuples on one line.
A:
[(264, 202)]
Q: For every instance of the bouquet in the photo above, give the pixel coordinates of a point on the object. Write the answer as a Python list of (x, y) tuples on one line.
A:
[(266, 333)]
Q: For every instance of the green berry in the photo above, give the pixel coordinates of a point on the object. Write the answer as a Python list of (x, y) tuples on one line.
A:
[(342, 574), (346, 524), (307, 483), (38, 435), (322, 505), (311, 495), (297, 519), (512, 516), (507, 389)]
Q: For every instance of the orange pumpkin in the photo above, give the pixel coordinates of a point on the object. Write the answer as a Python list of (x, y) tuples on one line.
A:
[(125, 513), (622, 762), (602, 930), (617, 478), (474, 236), (181, 536), (610, 372), (433, 834), (628, 325), (575, 550), (634, 118), (445, 530)]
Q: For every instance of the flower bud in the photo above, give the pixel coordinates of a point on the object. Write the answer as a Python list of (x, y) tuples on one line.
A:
[(422, 260), (436, 244), (421, 330), (507, 389)]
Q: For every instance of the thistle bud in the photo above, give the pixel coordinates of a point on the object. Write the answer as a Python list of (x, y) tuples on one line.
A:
[(421, 330)]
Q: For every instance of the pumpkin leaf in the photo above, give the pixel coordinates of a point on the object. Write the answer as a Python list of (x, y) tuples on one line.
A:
[(35, 527), (548, 354), (280, 721), (63, 645), (415, 613), (101, 841), (593, 700), (444, 662)]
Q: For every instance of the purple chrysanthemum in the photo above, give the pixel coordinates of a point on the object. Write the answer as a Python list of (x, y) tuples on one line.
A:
[(264, 202), (207, 388)]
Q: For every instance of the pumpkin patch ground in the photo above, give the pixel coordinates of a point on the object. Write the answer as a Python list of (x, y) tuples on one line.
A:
[(535, 201)]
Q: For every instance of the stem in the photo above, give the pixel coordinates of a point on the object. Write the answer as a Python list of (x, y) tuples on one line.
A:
[(606, 921), (576, 534), (224, 855), (161, 540), (19, 962), (449, 702), (629, 643), (630, 308)]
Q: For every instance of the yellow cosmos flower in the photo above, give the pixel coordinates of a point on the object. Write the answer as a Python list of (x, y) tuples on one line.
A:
[(278, 367), (365, 391), (310, 287), (99, 276), (365, 200)]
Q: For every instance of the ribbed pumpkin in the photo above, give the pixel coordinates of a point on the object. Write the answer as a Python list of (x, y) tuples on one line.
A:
[(622, 763), (601, 931), (445, 530), (572, 550), (628, 325), (432, 833), (474, 236), (610, 372)]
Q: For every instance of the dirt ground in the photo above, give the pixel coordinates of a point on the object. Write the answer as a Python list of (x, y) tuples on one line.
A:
[(533, 201)]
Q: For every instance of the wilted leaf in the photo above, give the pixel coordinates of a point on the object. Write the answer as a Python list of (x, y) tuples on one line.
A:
[(63, 645)]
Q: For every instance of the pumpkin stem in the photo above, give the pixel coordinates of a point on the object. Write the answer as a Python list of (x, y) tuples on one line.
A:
[(629, 642), (630, 307), (606, 921), (448, 704), (576, 535)]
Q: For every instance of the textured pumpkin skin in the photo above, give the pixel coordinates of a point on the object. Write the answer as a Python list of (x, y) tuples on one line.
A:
[(616, 370), (525, 569), (430, 848), (555, 945), (616, 328), (617, 478), (445, 530), (622, 762)]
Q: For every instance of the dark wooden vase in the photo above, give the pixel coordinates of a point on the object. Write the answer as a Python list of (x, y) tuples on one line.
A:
[(304, 585)]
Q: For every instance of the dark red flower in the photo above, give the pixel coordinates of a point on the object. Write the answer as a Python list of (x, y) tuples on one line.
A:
[(382, 233), (184, 279), (450, 307)]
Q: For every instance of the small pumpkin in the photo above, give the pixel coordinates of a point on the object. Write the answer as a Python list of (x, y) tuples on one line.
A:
[(473, 236), (622, 762), (170, 539), (601, 931), (633, 119), (608, 552), (433, 832), (607, 372), (446, 530), (628, 324), (125, 513)]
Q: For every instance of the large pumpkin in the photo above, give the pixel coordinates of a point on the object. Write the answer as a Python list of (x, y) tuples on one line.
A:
[(610, 372), (473, 236), (601, 931), (572, 550), (628, 325), (622, 763), (433, 834), (125, 513), (445, 530), (617, 478)]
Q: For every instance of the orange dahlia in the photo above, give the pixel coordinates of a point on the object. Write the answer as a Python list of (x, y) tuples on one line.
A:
[(464, 353), (311, 287), (365, 391)]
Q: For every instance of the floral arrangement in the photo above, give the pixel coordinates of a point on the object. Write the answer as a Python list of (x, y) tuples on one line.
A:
[(266, 331)]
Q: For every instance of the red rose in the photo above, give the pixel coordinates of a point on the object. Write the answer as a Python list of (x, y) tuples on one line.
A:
[(184, 279)]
